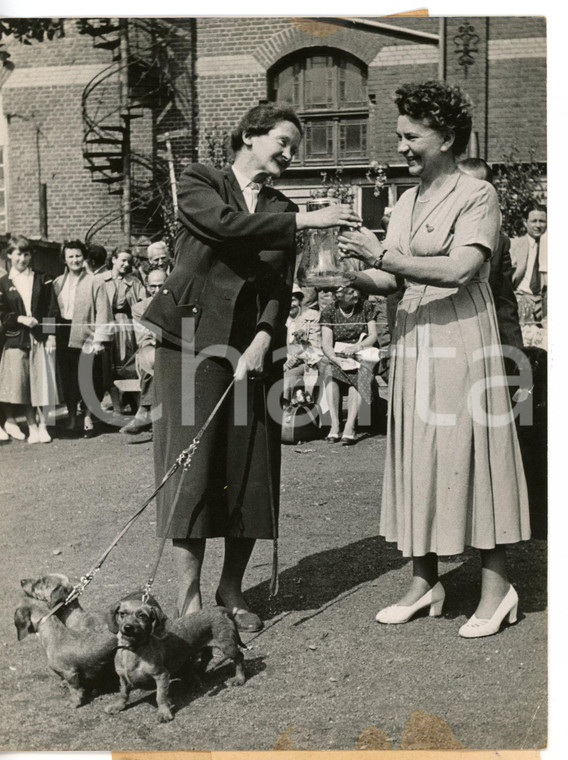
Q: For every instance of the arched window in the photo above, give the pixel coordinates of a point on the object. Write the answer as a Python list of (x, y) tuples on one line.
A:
[(328, 89)]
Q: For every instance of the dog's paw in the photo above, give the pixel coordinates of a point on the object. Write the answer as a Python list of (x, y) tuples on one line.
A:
[(239, 679), (164, 714), (114, 708)]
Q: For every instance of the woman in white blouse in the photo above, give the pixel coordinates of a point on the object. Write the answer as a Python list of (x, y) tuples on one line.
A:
[(27, 373), (84, 326)]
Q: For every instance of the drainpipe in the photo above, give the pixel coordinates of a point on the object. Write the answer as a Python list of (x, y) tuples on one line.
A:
[(125, 112), (442, 51)]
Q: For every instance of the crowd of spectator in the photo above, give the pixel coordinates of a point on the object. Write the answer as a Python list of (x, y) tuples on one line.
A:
[(66, 341), (337, 339)]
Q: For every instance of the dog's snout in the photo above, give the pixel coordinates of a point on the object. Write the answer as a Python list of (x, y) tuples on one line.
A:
[(128, 629)]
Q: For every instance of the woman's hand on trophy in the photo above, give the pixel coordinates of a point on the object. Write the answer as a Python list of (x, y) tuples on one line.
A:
[(359, 244), (336, 215)]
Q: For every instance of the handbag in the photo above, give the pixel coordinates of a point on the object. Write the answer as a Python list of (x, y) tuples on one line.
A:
[(301, 422)]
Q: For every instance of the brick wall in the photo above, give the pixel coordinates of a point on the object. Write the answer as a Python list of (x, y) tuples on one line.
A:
[(73, 201), (234, 57), (71, 50), (507, 27), (517, 107)]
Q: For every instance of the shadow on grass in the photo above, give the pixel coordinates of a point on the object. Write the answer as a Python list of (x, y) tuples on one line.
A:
[(323, 577), (320, 578)]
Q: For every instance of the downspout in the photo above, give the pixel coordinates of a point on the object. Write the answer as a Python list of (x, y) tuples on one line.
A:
[(442, 51)]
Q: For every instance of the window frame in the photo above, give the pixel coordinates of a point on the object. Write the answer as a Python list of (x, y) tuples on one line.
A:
[(337, 117)]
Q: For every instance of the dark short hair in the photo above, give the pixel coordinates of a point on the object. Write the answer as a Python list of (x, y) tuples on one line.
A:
[(478, 164), (534, 206), (75, 245), (19, 242), (443, 107), (96, 255), (122, 249), (261, 119)]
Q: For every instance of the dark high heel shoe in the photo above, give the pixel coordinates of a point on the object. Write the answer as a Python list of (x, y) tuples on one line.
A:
[(245, 620)]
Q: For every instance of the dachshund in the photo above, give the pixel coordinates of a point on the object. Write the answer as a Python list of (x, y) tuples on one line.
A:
[(152, 648), (80, 658), (54, 588)]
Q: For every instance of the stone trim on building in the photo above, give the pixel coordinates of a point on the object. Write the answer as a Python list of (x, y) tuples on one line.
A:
[(52, 76), (410, 55), (216, 65), (523, 47)]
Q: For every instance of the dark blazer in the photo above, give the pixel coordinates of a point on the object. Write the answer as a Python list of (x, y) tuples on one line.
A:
[(501, 284), (220, 246), (12, 306)]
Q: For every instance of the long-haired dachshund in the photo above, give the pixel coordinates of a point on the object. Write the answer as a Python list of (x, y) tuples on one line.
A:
[(54, 588), (152, 648), (80, 658)]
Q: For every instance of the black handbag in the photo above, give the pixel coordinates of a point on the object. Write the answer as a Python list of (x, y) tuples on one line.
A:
[(301, 422)]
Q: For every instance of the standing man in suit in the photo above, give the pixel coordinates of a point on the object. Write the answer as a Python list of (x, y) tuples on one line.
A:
[(500, 273), (529, 255), (225, 304), (145, 354)]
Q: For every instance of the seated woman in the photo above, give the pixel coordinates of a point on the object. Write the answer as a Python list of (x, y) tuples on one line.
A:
[(348, 326), (304, 348)]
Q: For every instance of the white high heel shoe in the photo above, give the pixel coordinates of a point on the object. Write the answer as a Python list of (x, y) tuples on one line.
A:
[(396, 613), (476, 627)]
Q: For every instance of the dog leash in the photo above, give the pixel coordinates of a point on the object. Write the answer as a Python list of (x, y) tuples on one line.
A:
[(184, 461)]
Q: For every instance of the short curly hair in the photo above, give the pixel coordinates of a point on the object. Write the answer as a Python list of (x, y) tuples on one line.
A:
[(443, 107)]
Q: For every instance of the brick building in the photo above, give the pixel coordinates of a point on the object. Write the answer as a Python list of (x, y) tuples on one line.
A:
[(139, 99)]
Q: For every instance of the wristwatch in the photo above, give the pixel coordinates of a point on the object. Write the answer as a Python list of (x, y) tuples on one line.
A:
[(378, 262)]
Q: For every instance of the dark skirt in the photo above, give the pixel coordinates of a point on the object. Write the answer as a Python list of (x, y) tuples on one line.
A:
[(232, 486), (68, 363), (68, 366)]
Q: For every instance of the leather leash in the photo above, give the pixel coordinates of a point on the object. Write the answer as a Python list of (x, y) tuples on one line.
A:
[(184, 461)]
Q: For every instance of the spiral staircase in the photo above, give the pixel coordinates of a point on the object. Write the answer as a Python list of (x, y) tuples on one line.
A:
[(139, 83)]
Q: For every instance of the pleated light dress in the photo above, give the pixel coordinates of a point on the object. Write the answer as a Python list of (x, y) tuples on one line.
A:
[(453, 470)]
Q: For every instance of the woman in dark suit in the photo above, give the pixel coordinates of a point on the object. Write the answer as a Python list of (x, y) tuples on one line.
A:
[(223, 308), (27, 369)]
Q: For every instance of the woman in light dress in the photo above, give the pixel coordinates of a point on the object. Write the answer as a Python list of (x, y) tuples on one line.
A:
[(453, 472)]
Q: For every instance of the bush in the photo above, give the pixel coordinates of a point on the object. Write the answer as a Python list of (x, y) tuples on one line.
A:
[(518, 184)]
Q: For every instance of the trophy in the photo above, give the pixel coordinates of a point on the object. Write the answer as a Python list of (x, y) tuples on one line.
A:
[(321, 264)]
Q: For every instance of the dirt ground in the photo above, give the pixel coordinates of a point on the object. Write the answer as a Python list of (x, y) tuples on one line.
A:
[(323, 674)]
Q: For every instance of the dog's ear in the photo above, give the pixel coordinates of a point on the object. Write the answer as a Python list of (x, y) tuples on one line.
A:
[(23, 621), (158, 622), (59, 594), (111, 618)]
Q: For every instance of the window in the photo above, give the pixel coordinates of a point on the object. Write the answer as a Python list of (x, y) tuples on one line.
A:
[(329, 92)]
